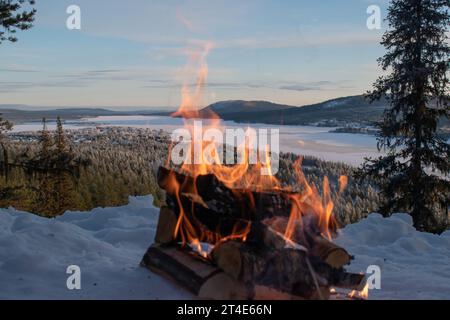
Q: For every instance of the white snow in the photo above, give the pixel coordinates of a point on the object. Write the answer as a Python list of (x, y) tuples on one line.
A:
[(108, 244), (414, 265)]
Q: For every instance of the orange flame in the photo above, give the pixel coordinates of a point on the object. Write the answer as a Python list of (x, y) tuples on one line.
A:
[(361, 295), (308, 201)]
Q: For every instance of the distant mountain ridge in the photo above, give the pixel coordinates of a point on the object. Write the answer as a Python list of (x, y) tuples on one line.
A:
[(22, 113), (235, 106), (335, 112), (332, 112), (350, 111)]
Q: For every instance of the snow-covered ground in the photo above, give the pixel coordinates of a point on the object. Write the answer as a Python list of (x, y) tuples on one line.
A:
[(414, 265), (108, 244)]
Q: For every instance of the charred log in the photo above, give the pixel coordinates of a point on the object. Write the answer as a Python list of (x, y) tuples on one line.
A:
[(252, 256), (287, 270), (237, 203)]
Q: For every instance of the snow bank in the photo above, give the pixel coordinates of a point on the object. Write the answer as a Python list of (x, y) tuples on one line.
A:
[(108, 244), (414, 265)]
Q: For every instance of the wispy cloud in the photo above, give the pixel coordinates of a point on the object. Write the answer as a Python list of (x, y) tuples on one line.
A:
[(97, 75), (168, 49), (331, 38), (8, 87), (17, 70), (291, 86), (308, 86), (71, 80), (86, 78)]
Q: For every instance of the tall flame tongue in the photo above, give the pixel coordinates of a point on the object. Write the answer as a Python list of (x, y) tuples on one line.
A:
[(241, 175)]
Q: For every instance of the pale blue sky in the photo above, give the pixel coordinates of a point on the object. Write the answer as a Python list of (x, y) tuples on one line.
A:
[(132, 53)]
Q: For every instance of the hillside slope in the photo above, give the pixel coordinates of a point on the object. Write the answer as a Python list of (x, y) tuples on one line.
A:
[(334, 112), (241, 106), (20, 115)]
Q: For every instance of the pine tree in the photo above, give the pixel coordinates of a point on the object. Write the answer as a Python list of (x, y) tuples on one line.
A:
[(64, 182), (14, 17), (61, 144), (5, 126), (46, 143), (414, 173)]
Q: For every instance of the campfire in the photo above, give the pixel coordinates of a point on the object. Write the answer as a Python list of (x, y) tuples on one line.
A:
[(230, 232)]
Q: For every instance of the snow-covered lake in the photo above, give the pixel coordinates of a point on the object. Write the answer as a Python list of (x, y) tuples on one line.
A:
[(305, 140)]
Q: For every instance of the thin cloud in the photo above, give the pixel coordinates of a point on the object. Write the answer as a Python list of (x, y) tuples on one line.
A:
[(88, 78), (18, 70), (167, 49), (291, 86), (7, 87), (299, 41), (309, 86)]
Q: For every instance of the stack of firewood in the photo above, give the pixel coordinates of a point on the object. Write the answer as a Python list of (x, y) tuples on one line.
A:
[(262, 265)]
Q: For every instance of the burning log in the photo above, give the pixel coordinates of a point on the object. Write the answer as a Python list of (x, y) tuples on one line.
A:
[(194, 274), (287, 270), (207, 192), (254, 255), (211, 206), (165, 232), (257, 232), (185, 269), (320, 247), (198, 209), (200, 277), (215, 195), (330, 253)]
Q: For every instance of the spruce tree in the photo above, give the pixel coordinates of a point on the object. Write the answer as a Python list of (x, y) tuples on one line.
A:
[(5, 126), (414, 173), (64, 181), (61, 145), (46, 144), (13, 17)]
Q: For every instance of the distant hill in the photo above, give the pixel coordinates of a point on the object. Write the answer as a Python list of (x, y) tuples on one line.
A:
[(23, 113), (337, 111), (240, 106)]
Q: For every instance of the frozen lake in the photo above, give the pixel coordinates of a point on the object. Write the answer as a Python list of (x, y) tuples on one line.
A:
[(306, 140)]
